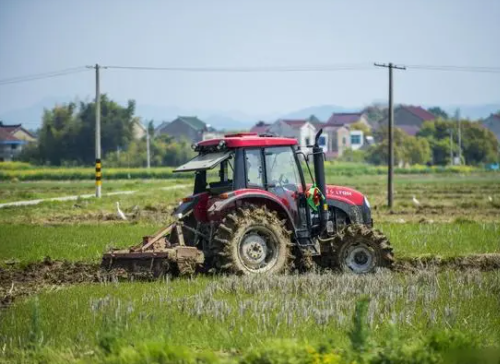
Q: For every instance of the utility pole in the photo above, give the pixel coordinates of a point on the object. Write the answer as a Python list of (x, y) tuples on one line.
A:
[(147, 145), (390, 175), (98, 173), (457, 116), (98, 165), (451, 147)]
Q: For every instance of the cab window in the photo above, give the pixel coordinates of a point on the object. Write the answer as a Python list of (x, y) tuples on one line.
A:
[(253, 167), (281, 168)]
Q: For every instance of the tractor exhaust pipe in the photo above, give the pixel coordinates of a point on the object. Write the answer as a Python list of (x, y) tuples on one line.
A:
[(319, 175)]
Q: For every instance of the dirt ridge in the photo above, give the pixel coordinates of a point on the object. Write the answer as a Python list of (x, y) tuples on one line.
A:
[(17, 280)]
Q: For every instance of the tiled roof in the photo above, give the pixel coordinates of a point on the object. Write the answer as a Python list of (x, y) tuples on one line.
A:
[(193, 121), (344, 118), (5, 135), (420, 112), (295, 123), (409, 129)]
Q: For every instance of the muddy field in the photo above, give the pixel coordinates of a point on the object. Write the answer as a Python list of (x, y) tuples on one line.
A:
[(446, 274)]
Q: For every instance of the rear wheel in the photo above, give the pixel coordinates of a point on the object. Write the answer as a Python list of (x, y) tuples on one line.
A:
[(360, 250), (252, 240)]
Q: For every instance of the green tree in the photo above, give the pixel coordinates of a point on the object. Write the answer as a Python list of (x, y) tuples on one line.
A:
[(440, 113), (361, 126), (67, 134), (407, 149), (479, 145), (417, 150)]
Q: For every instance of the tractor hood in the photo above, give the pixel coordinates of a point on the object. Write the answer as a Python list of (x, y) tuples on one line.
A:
[(344, 194)]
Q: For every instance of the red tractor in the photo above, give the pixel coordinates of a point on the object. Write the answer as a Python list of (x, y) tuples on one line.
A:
[(251, 211)]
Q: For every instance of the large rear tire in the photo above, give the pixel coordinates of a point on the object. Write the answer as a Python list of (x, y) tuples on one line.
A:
[(252, 240), (359, 249)]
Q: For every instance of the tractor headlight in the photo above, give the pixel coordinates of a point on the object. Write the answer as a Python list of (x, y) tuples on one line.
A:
[(367, 203), (179, 215), (221, 145)]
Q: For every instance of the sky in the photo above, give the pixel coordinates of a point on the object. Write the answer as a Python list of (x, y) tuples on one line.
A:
[(42, 36)]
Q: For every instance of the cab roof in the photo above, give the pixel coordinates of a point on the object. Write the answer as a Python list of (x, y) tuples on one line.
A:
[(249, 140)]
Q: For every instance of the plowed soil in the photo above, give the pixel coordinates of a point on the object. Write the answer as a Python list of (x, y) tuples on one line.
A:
[(21, 280)]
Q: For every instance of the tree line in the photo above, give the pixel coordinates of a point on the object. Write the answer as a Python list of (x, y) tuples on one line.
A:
[(67, 137), (432, 145)]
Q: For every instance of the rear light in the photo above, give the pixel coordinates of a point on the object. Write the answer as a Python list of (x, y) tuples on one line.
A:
[(187, 199), (224, 195)]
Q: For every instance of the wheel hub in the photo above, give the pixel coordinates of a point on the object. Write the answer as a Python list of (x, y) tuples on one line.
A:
[(254, 249), (360, 258)]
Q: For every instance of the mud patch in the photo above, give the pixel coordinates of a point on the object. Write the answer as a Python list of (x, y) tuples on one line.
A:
[(481, 262), (18, 280)]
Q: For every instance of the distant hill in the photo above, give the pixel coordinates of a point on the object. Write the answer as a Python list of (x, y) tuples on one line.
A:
[(322, 112), (474, 112)]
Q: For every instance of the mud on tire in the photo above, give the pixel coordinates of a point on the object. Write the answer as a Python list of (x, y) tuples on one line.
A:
[(252, 239), (359, 249)]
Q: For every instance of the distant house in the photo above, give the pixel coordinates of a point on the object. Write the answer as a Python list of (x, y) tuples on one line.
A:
[(187, 127), (348, 118), (493, 123), (12, 140), (339, 139), (301, 129), (260, 128), (409, 118)]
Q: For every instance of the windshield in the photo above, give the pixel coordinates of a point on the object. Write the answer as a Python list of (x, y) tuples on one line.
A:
[(203, 162)]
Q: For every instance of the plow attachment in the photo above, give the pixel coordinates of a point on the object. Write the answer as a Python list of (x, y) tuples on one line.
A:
[(156, 255)]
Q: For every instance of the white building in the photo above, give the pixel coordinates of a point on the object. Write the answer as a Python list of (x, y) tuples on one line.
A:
[(300, 129), (357, 139)]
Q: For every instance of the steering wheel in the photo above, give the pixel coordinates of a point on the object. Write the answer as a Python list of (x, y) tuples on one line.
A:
[(282, 180)]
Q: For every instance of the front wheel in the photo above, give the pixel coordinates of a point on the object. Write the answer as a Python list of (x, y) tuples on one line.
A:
[(252, 240), (360, 250)]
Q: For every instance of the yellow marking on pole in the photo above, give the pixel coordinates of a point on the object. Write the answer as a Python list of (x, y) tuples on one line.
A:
[(98, 183), (98, 174)]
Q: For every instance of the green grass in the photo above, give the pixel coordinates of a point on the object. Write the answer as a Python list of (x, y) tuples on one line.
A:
[(22, 172), (150, 204), (221, 314), (445, 240), (16, 191), (87, 242)]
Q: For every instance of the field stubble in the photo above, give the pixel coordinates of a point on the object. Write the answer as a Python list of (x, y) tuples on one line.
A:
[(243, 311)]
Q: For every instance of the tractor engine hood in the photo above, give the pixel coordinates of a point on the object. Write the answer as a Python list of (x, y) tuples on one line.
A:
[(344, 194)]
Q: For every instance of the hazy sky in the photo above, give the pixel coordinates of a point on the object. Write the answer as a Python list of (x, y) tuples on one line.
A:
[(39, 36)]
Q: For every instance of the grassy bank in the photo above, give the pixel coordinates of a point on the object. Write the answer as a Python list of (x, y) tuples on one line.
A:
[(87, 242)]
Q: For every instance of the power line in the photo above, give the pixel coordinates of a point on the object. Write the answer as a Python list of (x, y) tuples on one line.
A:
[(40, 76), (305, 68), (478, 69)]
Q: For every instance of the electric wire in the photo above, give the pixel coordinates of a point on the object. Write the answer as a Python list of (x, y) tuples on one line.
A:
[(40, 76)]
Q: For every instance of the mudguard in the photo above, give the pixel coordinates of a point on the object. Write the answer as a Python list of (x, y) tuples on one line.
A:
[(253, 196)]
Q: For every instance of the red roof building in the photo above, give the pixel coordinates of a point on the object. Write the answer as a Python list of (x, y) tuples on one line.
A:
[(409, 118), (12, 140)]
